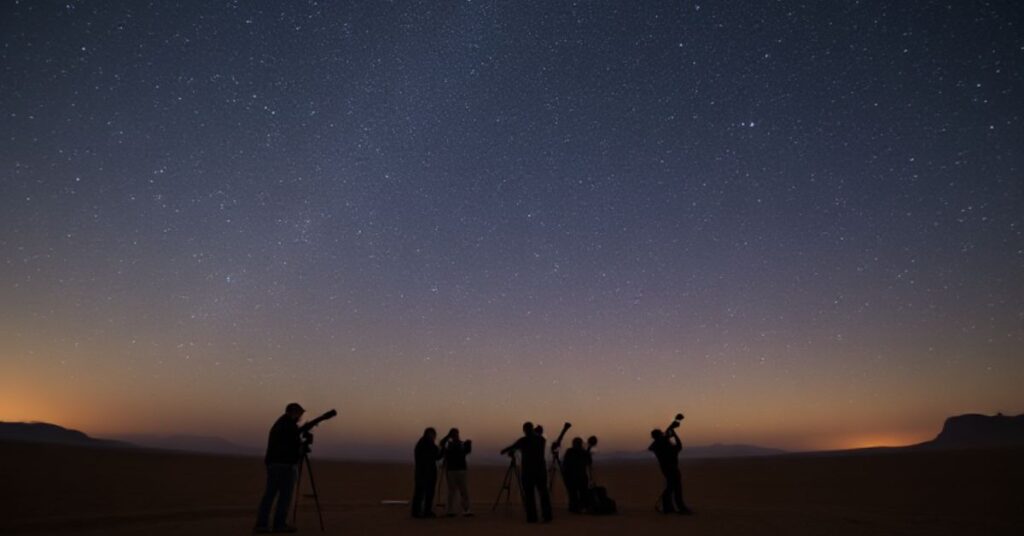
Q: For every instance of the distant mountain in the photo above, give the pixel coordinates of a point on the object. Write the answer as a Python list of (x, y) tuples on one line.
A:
[(716, 450), (42, 432), (973, 430), (191, 443)]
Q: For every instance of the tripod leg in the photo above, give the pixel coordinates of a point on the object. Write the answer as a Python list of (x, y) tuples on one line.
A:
[(316, 496), (519, 482), (441, 478), (506, 488), (497, 500), (553, 471), (298, 493)]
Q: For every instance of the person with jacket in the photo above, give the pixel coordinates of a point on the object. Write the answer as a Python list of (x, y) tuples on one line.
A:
[(575, 473), (534, 472), (426, 455), (666, 448), (284, 450), (454, 452)]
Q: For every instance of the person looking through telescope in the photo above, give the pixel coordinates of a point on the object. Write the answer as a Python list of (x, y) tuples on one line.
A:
[(285, 449), (454, 451), (666, 447), (534, 475)]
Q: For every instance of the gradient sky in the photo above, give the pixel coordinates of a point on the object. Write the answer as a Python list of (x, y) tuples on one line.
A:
[(800, 223)]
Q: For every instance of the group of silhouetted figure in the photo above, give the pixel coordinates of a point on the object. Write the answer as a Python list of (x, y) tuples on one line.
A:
[(452, 454), (288, 445)]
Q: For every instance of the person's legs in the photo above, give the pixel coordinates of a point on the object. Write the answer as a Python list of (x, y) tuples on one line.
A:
[(529, 498), (429, 488), (666, 495), (286, 487), (417, 497), (263, 514), (677, 493), (572, 490), (545, 498), (457, 487), (464, 492), (585, 495), (452, 479)]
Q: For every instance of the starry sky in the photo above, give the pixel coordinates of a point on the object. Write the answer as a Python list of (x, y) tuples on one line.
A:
[(800, 223)]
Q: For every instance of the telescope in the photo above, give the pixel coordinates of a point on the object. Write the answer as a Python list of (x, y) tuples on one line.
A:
[(558, 442), (307, 429), (312, 424), (675, 423), (307, 441)]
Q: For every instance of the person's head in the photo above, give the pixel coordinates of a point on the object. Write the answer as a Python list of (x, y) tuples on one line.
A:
[(430, 433), (657, 434), (527, 428), (539, 430), (294, 411), (577, 442), (454, 434)]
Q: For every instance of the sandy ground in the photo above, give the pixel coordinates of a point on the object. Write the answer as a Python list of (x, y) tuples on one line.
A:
[(47, 489)]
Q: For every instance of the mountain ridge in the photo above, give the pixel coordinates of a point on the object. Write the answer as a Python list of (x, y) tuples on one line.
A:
[(970, 430)]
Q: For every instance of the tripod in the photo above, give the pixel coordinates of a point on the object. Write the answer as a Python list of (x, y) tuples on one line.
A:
[(512, 474), (442, 478), (312, 483), (556, 461), (555, 469)]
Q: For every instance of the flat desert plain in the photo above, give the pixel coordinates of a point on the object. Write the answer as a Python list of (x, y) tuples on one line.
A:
[(52, 489)]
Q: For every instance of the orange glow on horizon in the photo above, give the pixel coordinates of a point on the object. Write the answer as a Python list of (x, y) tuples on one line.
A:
[(883, 439)]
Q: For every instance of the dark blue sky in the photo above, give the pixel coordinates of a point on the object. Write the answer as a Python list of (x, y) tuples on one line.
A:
[(765, 212)]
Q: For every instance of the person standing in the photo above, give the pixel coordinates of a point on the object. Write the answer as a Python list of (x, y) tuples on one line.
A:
[(666, 448), (426, 455), (284, 450), (454, 452), (534, 476), (575, 466)]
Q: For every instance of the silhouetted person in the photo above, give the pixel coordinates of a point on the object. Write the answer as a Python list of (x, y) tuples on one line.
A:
[(454, 452), (284, 450), (426, 455), (534, 472), (575, 465), (666, 448)]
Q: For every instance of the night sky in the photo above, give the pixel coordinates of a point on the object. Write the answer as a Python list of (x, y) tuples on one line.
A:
[(800, 223)]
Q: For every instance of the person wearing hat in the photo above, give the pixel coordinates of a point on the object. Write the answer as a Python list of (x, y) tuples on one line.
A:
[(284, 450)]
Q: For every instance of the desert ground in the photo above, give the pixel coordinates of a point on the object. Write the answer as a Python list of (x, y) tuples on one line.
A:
[(52, 489)]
